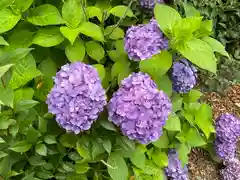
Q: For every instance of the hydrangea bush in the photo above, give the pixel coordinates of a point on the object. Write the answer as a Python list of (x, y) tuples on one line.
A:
[(89, 90)]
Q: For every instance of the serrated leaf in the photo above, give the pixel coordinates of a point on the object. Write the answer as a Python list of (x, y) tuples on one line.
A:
[(25, 104), (95, 50), (163, 141), (50, 139), (72, 13), (70, 34), (75, 52), (44, 15), (8, 19), (101, 70), (118, 169), (199, 53), (41, 149), (20, 146), (92, 30), (3, 42), (120, 10), (215, 45), (48, 37), (166, 17), (21, 5), (114, 33), (94, 11), (107, 145), (173, 123)]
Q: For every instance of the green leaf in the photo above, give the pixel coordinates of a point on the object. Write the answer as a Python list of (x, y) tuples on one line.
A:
[(194, 95), (72, 13), (83, 148), (70, 34), (116, 32), (158, 65), (5, 122), (23, 94), (6, 97), (3, 154), (68, 140), (5, 3), (41, 149), (92, 30), (36, 161), (166, 17), (95, 50), (151, 168), (95, 11), (50, 139), (163, 141), (118, 169), (48, 67), (48, 37), (107, 125), (14, 55), (75, 52), (215, 45), (25, 104), (4, 69), (164, 84), (205, 29), (173, 123), (81, 168), (160, 158), (138, 158), (97, 149), (118, 68), (44, 15), (194, 138), (8, 19), (2, 140), (203, 118), (199, 53), (121, 10), (177, 102), (21, 5), (3, 42), (190, 10), (183, 151), (13, 130), (101, 70), (107, 145), (20, 146), (32, 135)]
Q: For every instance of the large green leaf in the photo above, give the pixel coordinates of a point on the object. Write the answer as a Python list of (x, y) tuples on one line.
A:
[(23, 94), (32, 135), (20, 146), (3, 42), (84, 148), (101, 71), (138, 158), (163, 141), (8, 20), (5, 122), (95, 50), (183, 151), (44, 15), (160, 158), (68, 140), (6, 96), (70, 34), (75, 52), (114, 33), (48, 37), (97, 149), (194, 138), (72, 13), (4, 69), (50, 139), (21, 5), (41, 149), (190, 10), (25, 105), (166, 17), (121, 10), (92, 30), (5, 3), (118, 169), (164, 84), (199, 53), (173, 123), (95, 11)]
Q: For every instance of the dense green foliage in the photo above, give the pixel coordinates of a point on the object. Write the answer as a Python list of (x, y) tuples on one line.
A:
[(38, 37)]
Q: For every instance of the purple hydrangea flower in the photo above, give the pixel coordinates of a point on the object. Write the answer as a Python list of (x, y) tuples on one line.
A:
[(184, 76), (139, 108), (225, 150), (228, 128), (77, 97), (149, 4), (144, 41), (232, 170), (175, 171)]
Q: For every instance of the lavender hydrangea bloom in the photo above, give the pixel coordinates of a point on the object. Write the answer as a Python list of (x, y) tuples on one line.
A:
[(77, 97), (184, 76), (149, 4), (175, 171), (228, 128), (225, 150), (232, 170), (144, 41), (139, 108)]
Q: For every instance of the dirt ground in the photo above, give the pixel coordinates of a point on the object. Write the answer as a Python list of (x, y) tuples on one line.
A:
[(201, 167)]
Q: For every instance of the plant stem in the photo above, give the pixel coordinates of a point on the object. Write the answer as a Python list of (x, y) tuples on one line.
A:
[(3, 84)]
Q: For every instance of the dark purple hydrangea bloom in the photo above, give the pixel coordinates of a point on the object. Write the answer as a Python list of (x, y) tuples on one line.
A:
[(232, 170), (175, 171), (228, 128), (149, 4), (139, 108), (225, 150), (77, 97), (184, 76), (144, 41)]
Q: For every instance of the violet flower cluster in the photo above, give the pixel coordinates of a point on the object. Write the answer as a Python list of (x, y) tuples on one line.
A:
[(144, 41), (232, 170), (139, 108), (175, 171), (149, 4), (184, 76), (228, 133), (77, 97)]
